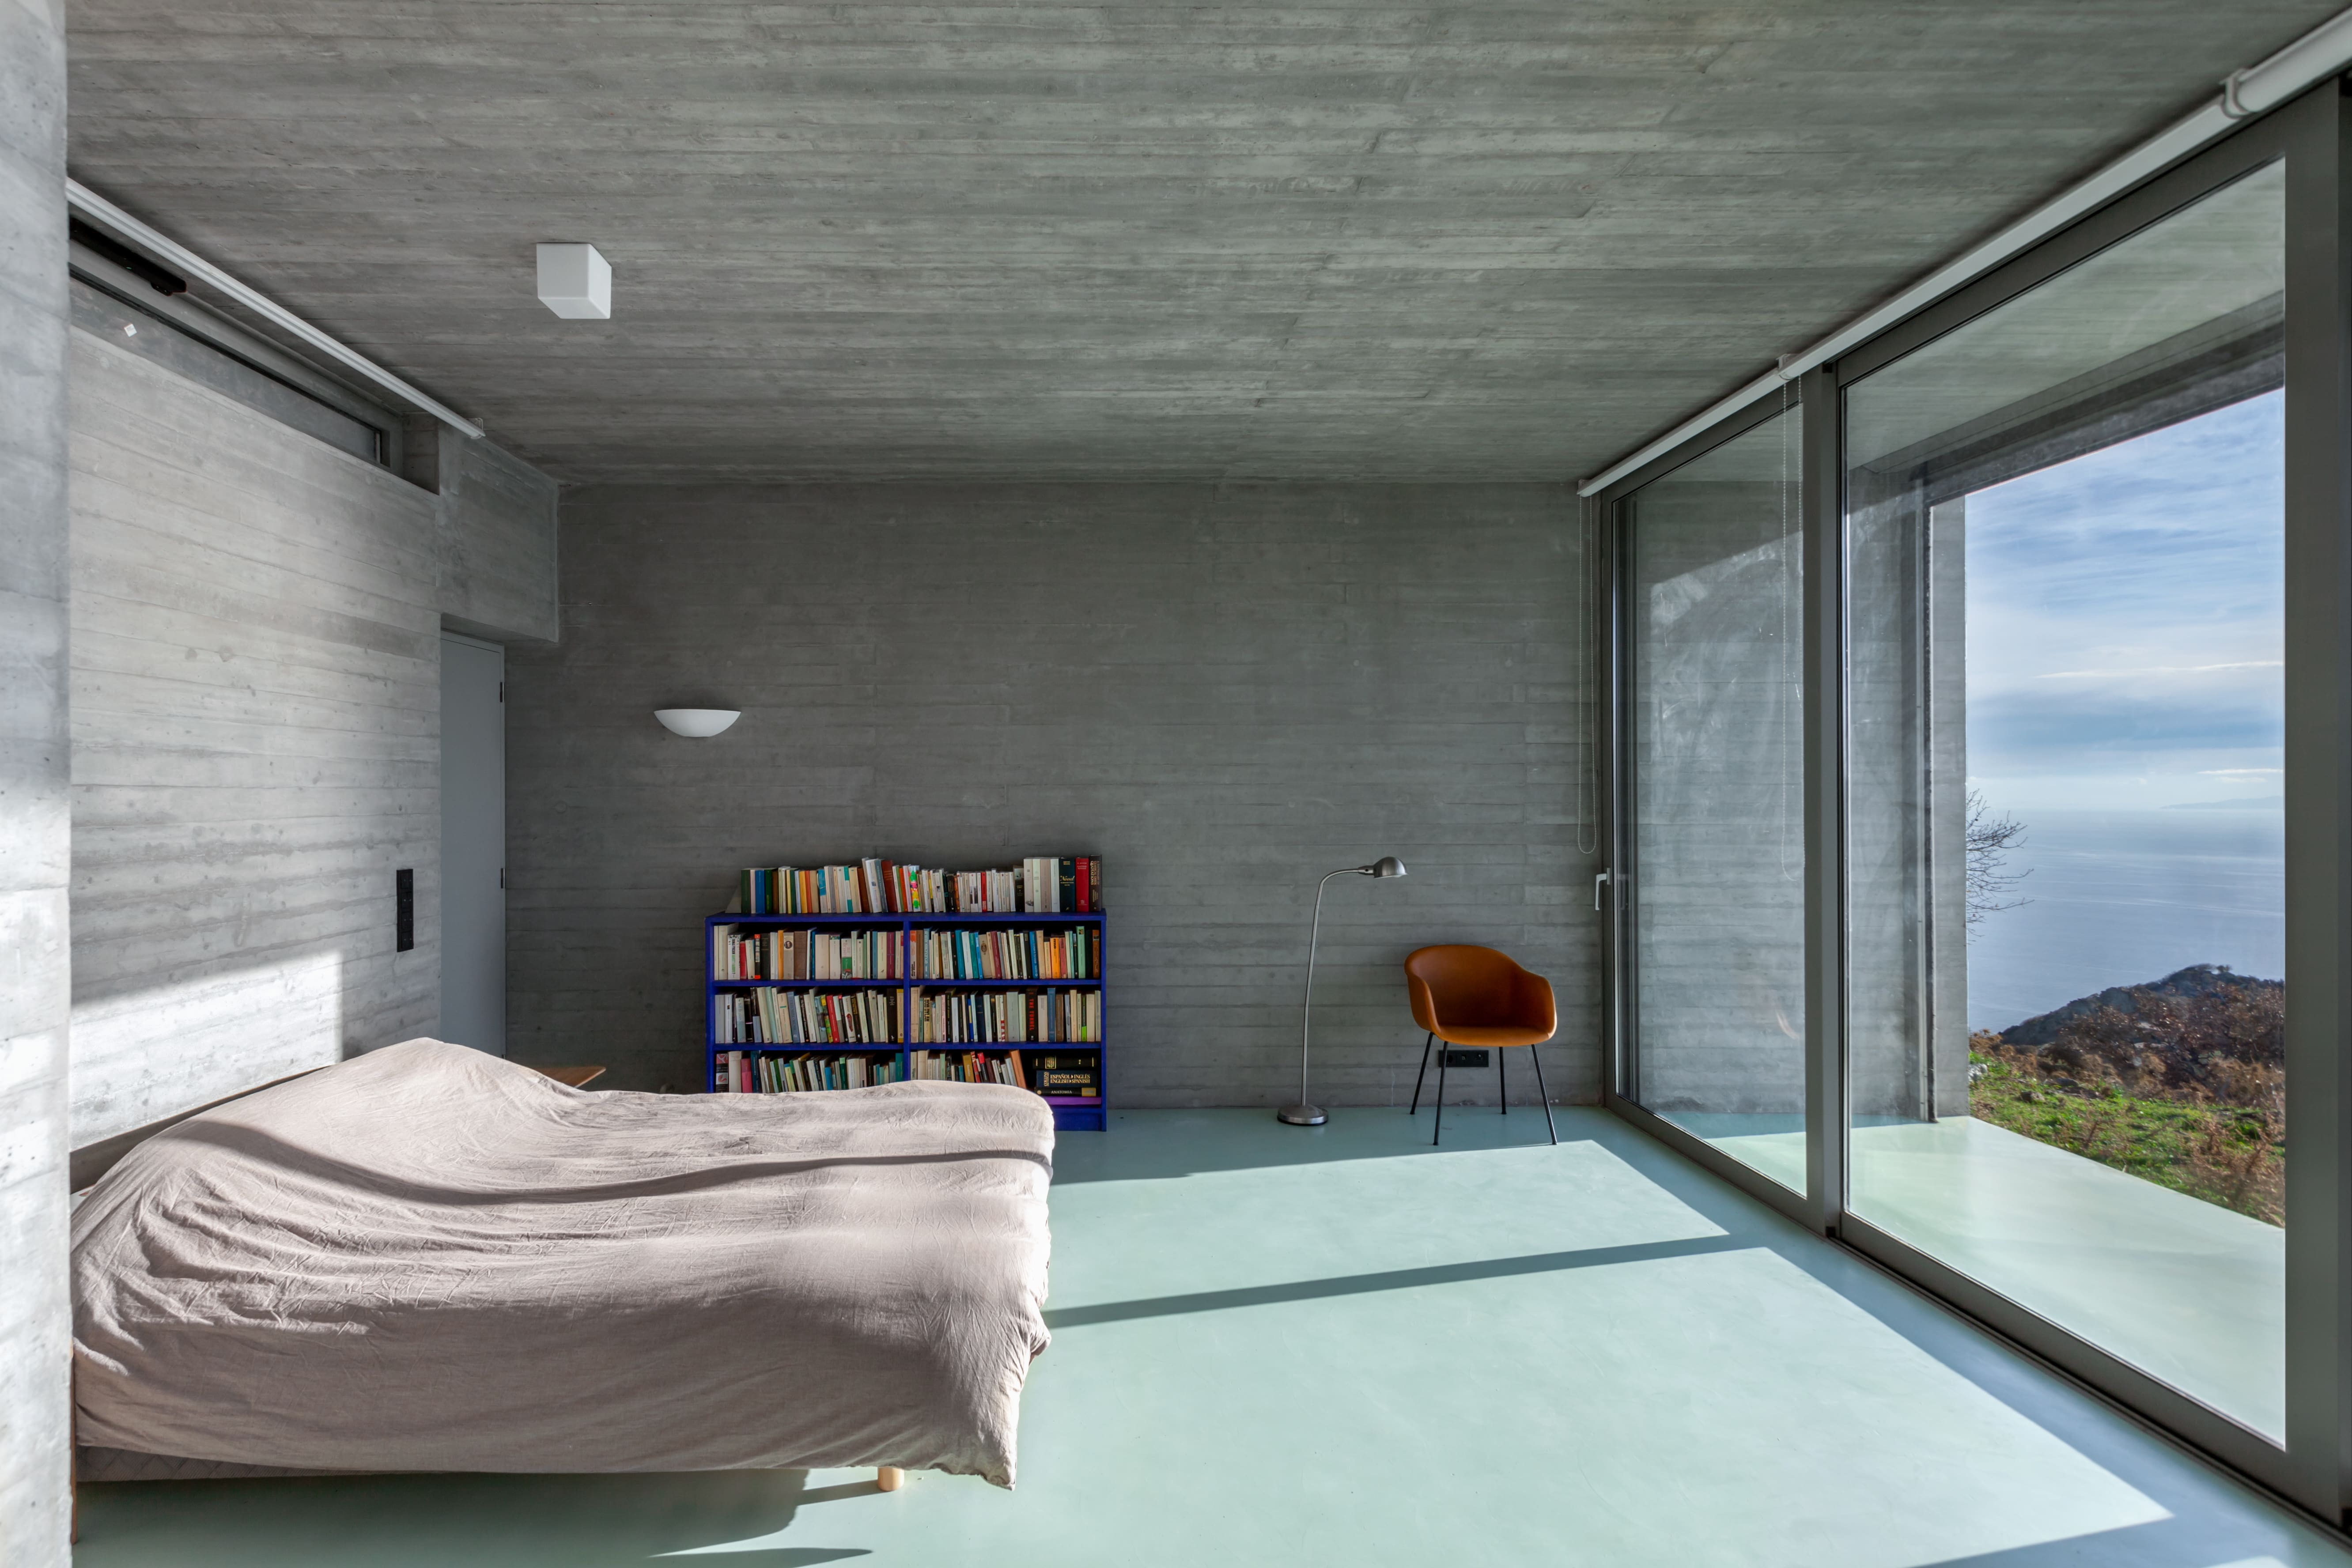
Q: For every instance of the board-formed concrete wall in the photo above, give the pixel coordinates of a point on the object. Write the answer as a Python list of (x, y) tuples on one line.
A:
[(1223, 692), (495, 528), (256, 746), (34, 847), (257, 736)]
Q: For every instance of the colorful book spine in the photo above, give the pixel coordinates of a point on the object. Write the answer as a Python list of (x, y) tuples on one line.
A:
[(768, 1072), (1006, 1017), (1066, 884)]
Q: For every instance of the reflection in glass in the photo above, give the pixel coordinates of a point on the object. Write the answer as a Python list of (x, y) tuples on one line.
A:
[(1717, 718), (2065, 724)]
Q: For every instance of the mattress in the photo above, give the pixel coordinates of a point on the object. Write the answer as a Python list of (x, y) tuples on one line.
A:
[(428, 1258)]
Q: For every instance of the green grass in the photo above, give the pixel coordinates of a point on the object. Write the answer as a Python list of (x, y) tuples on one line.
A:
[(2225, 1155)]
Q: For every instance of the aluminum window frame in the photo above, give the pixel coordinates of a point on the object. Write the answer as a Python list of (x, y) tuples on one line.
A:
[(2312, 135)]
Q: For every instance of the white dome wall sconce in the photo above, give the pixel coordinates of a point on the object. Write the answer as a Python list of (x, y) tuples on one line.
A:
[(575, 282), (696, 723)]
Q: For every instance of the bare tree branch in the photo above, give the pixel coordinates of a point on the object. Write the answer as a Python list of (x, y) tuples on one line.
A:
[(1989, 839)]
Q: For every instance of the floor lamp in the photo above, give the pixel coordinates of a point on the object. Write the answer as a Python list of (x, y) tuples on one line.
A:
[(1303, 1114)]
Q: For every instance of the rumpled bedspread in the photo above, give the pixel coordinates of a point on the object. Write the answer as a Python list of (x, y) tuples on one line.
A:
[(429, 1259)]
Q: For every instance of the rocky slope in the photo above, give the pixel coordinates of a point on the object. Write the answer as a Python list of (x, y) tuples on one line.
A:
[(2202, 1032)]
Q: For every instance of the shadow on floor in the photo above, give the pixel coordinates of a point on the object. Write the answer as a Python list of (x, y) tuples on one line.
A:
[(380, 1521), (1390, 1279), (2167, 1543), (1158, 1144)]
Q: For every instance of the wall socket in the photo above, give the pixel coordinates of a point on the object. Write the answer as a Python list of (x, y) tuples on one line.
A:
[(1455, 1058), (403, 913)]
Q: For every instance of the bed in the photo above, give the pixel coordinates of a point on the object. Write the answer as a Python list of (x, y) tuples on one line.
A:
[(428, 1258)]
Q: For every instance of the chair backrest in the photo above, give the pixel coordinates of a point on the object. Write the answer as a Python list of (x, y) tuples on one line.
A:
[(1466, 985)]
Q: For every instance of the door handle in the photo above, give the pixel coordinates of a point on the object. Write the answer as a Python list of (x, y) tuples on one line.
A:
[(1598, 878)]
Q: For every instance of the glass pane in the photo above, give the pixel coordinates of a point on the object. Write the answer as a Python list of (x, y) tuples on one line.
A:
[(1717, 883), (2065, 533)]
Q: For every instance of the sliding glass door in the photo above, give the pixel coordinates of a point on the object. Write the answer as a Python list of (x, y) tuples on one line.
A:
[(1979, 830), (1714, 876), (2065, 841)]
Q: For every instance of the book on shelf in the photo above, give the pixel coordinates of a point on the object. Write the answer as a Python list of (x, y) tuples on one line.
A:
[(967, 1066), (936, 953), (767, 954), (756, 1072), (1041, 884), (951, 954), (1067, 1074), (1078, 1076), (773, 1017), (1005, 1017)]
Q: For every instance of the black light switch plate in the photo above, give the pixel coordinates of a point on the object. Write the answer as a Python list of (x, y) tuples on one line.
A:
[(405, 911), (1465, 1058)]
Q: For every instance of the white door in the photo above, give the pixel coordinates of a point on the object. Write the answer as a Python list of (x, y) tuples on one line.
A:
[(473, 844)]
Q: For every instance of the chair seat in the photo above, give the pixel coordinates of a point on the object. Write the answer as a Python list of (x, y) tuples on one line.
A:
[(1491, 1035)]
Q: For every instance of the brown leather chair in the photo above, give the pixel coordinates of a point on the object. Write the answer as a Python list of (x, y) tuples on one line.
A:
[(1478, 997)]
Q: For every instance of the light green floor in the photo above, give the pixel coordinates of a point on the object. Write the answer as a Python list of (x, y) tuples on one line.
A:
[(2188, 1291), (1278, 1346)]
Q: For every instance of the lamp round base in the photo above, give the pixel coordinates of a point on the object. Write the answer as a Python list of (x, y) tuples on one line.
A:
[(1301, 1115)]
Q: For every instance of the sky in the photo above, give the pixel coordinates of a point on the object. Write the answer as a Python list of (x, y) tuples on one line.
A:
[(2125, 622)]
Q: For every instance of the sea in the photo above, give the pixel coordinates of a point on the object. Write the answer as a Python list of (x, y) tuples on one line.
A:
[(2121, 897)]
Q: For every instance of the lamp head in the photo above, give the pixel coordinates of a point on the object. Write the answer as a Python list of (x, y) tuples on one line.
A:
[(1386, 866)]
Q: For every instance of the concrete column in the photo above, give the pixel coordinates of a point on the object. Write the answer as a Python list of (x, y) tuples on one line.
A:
[(35, 992), (1948, 771)]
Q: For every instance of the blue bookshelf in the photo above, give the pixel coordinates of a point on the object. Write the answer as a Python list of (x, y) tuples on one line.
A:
[(1074, 1113)]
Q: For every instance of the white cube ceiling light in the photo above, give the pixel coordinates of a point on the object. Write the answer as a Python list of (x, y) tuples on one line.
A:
[(575, 282)]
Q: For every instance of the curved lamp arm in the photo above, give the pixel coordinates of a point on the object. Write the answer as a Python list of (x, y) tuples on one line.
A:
[(1386, 866), (1315, 934)]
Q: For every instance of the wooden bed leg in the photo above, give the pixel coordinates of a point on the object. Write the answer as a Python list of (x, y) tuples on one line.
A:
[(889, 1478)]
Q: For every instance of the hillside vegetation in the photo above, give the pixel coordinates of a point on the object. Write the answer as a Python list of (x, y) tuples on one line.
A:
[(2181, 1081)]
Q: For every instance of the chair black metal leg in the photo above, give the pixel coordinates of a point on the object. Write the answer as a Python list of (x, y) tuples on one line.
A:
[(1543, 1095), (1435, 1131), (1426, 1042), (1501, 1091)]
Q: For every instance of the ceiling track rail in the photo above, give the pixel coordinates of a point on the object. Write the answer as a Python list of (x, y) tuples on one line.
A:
[(2324, 52), (90, 205)]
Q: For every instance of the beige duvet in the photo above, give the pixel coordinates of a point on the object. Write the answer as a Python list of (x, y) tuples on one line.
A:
[(428, 1258)]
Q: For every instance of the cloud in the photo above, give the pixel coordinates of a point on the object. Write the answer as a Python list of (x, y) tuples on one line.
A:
[(2162, 670), (2069, 726), (2127, 609)]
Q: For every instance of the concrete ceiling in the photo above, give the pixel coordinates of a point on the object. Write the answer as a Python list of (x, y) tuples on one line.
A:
[(1126, 241)]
